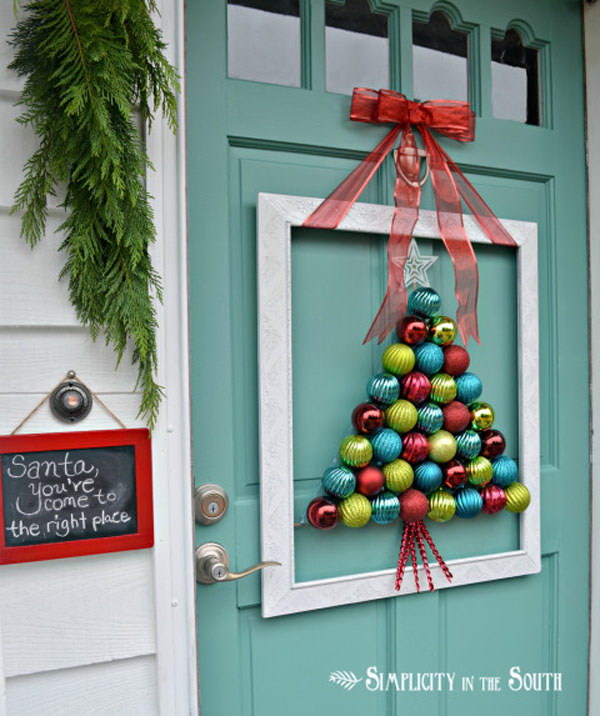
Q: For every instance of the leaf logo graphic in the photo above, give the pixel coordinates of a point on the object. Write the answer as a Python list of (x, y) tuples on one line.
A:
[(345, 679)]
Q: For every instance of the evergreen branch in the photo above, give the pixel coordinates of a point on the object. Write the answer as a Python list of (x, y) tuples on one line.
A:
[(86, 65)]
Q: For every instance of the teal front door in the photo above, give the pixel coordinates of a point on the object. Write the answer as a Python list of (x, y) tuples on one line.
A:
[(268, 93)]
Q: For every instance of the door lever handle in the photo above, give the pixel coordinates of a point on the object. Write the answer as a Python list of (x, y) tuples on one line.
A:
[(212, 565)]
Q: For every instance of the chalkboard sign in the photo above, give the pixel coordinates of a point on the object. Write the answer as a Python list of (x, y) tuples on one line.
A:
[(68, 494)]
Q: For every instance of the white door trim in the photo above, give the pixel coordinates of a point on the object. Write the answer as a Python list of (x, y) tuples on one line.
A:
[(174, 526), (592, 73)]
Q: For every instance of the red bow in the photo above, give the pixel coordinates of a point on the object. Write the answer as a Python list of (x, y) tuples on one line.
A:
[(453, 119)]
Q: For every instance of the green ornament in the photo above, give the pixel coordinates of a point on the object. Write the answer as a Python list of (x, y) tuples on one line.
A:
[(479, 471), (355, 511), (518, 497), (442, 506), (398, 359), (443, 330), (482, 416), (401, 416), (443, 388), (442, 446), (399, 475), (356, 451)]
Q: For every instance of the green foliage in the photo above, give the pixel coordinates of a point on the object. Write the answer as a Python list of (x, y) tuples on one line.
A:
[(88, 65)]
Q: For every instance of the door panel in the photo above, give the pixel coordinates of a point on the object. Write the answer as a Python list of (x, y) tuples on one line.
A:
[(249, 137)]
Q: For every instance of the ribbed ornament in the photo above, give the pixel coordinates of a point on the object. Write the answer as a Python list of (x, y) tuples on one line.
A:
[(387, 445), (482, 415), (442, 446), (431, 418), (468, 444), (494, 499), (468, 388), (385, 508), (505, 471), (443, 330), (355, 511), (398, 359), (468, 503), (339, 481), (479, 471), (356, 451), (401, 416), (442, 506), (424, 302), (518, 497), (443, 388), (429, 358), (428, 476), (383, 388), (415, 387), (399, 475)]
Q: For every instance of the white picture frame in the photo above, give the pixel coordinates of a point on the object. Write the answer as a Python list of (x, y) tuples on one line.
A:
[(281, 594)]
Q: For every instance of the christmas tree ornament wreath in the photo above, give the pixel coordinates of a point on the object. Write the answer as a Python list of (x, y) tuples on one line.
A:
[(424, 444), (87, 66)]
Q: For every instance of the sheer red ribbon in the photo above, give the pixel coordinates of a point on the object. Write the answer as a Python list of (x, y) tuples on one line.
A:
[(452, 119)]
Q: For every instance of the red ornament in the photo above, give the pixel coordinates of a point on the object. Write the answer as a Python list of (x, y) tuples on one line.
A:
[(494, 499), (414, 505), (455, 474), (456, 360), (369, 480), (322, 513), (492, 443), (456, 416), (367, 418), (415, 448), (412, 330), (415, 387)]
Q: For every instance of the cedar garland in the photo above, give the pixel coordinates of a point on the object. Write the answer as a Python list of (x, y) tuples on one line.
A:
[(88, 64)]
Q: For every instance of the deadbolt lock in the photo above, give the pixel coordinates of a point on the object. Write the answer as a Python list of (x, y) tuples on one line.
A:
[(210, 504)]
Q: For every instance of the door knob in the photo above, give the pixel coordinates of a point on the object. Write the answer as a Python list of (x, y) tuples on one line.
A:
[(212, 565)]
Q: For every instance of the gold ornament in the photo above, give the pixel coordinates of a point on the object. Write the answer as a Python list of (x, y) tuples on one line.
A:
[(398, 359), (355, 511), (356, 451), (443, 388), (443, 330), (401, 416), (479, 471), (518, 497), (399, 475), (482, 416), (442, 446)]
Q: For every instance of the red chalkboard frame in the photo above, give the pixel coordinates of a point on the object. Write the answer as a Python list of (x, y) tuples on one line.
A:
[(140, 439)]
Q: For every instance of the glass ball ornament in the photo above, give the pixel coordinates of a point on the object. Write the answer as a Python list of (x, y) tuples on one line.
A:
[(387, 445), (338, 481), (492, 443), (428, 476), (429, 358), (494, 499), (383, 388), (412, 330), (443, 388), (415, 387), (454, 474), (442, 446), (479, 471), (414, 505), (518, 497), (355, 511), (385, 508), (456, 416), (504, 471), (442, 506), (369, 480), (398, 359), (456, 360), (367, 418), (401, 416), (415, 448), (424, 302), (399, 475), (356, 451), (431, 418), (482, 416), (322, 513), (468, 444), (443, 330), (468, 388), (468, 503)]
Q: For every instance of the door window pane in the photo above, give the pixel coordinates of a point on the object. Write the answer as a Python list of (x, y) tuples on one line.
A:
[(440, 60), (356, 46), (263, 41), (515, 80)]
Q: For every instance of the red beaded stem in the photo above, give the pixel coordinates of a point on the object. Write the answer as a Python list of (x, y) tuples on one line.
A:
[(413, 556), (436, 554), (421, 544), (403, 556)]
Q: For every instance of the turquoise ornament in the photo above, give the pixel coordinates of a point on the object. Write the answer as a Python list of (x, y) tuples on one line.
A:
[(428, 477), (424, 302), (387, 445), (468, 388), (429, 358), (431, 418), (468, 444), (383, 388), (385, 508), (339, 481), (504, 471), (468, 503)]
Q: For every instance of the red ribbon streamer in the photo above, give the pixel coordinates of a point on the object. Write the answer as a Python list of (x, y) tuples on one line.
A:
[(453, 119), (418, 532)]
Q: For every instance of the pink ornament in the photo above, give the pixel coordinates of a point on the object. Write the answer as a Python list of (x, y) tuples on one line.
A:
[(415, 387), (494, 499), (415, 448)]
